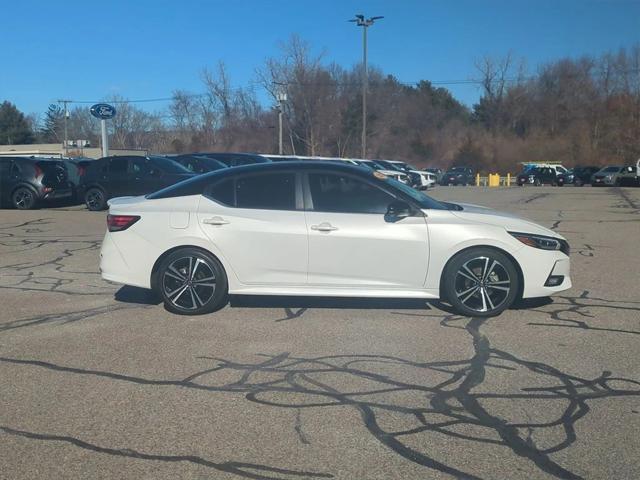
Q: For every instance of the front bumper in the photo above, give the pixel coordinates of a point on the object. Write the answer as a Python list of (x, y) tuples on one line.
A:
[(538, 266)]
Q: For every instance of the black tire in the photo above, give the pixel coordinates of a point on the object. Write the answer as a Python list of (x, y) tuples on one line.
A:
[(24, 198), (478, 297), (95, 199), (537, 182), (191, 281)]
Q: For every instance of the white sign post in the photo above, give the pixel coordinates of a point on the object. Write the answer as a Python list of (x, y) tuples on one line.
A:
[(104, 112)]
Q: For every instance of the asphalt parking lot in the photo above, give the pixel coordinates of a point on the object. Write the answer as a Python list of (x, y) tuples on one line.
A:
[(99, 381)]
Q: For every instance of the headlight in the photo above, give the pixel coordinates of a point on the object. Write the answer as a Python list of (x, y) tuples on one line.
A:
[(542, 242)]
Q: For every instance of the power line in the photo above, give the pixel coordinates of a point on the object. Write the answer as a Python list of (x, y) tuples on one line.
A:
[(374, 84)]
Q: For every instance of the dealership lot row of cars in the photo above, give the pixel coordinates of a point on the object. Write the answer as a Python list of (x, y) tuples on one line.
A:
[(579, 176), (25, 182)]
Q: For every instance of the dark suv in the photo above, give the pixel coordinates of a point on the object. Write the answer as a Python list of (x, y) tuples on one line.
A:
[(235, 159), (110, 177), (198, 164), (458, 176), (580, 176), (26, 181)]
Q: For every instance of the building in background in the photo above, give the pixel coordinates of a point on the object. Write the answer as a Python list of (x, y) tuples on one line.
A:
[(74, 149)]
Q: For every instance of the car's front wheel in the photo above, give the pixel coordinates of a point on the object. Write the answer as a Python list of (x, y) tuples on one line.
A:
[(480, 282), (191, 282)]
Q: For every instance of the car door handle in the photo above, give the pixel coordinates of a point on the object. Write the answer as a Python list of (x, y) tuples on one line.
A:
[(215, 221), (324, 227)]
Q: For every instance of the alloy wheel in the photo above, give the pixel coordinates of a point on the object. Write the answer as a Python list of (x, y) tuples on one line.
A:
[(482, 284), (95, 199), (189, 282), (23, 199)]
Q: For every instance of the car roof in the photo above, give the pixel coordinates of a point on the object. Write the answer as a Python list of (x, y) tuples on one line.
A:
[(294, 165)]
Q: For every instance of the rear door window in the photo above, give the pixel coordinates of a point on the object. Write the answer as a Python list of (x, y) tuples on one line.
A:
[(272, 191), (138, 166)]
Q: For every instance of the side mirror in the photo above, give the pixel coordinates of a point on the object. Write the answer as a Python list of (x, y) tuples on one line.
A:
[(397, 211)]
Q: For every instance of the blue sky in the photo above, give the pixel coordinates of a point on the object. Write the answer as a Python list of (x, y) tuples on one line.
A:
[(86, 50)]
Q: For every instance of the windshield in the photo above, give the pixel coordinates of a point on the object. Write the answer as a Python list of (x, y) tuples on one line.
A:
[(420, 198), (169, 166), (611, 169), (457, 170)]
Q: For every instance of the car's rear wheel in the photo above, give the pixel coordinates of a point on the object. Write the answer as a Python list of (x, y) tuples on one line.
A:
[(537, 182), (191, 282), (480, 282), (95, 199), (23, 198)]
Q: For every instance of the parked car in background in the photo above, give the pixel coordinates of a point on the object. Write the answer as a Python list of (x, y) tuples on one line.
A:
[(235, 159), (538, 176), (316, 228), (282, 158), (197, 164), (419, 179), (26, 182), (556, 167), (437, 172), (630, 176), (379, 166), (76, 168), (578, 176), (120, 176), (607, 176), (458, 176)]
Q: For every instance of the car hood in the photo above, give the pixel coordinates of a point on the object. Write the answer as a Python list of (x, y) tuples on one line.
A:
[(511, 222)]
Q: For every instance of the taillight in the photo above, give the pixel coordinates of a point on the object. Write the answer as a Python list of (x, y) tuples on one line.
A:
[(117, 223)]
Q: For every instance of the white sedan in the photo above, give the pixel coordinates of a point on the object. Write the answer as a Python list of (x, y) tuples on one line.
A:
[(324, 229)]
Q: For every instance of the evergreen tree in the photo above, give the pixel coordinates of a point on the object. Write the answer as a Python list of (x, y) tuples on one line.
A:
[(14, 127), (53, 126)]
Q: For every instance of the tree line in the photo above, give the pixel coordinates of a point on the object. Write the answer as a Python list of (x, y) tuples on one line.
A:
[(575, 111)]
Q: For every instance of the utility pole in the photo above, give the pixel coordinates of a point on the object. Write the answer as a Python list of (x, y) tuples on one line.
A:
[(66, 117), (360, 21)]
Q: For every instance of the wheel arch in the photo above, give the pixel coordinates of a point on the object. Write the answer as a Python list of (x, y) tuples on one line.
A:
[(24, 185), (488, 247)]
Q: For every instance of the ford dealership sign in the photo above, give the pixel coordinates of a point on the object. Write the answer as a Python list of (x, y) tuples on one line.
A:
[(103, 111)]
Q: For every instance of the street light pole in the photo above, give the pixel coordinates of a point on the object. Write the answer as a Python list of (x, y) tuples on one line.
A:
[(282, 97), (360, 21), (365, 85)]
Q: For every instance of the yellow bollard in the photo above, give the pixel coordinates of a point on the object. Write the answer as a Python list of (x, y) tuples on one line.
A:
[(477, 179), (508, 179)]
